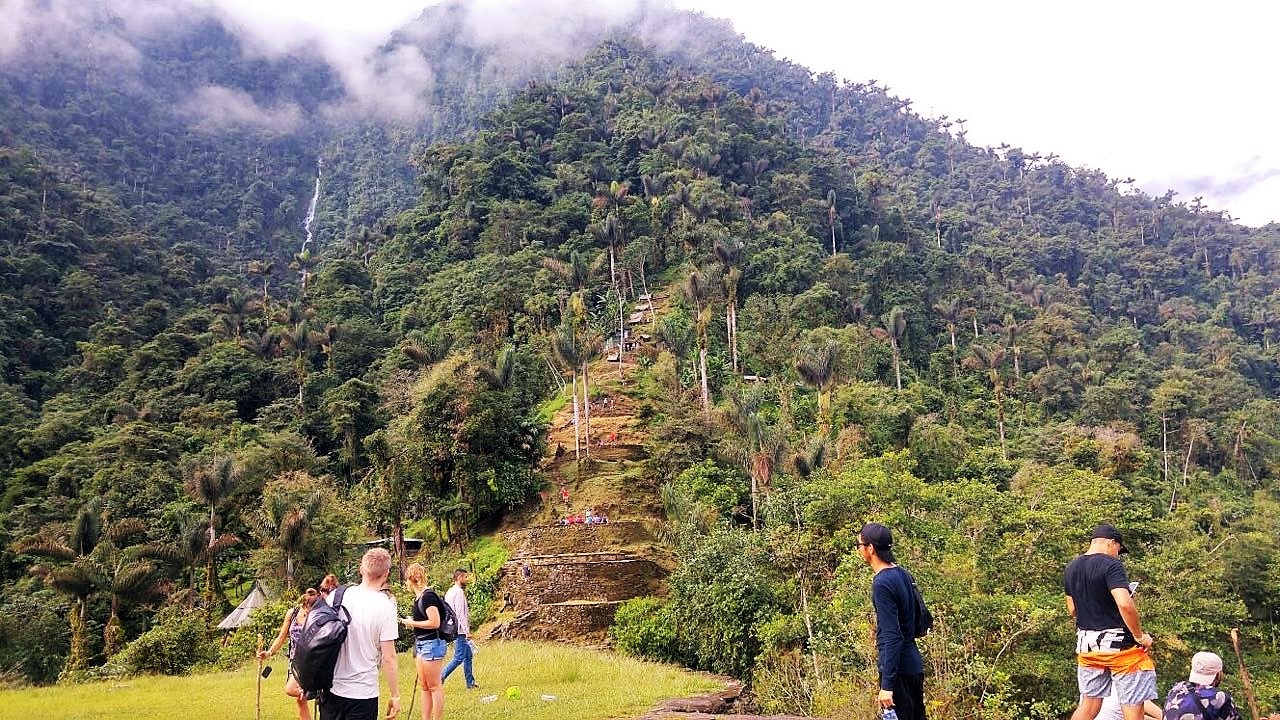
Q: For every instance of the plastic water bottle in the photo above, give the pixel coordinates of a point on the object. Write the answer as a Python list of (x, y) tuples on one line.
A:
[(889, 714)]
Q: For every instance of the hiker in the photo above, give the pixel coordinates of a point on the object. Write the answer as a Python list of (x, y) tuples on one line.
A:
[(371, 641), (328, 585), (898, 659), (428, 646), (456, 596), (564, 495), (525, 571), (1113, 710), (290, 632), (1198, 696), (1111, 647), (559, 450)]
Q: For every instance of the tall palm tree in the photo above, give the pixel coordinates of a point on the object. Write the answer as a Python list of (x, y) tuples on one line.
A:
[(697, 293), (729, 255), (212, 485), (894, 328), (263, 269), (234, 310), (951, 314), (817, 369), (564, 347), (989, 360), (126, 576), (1011, 331), (301, 340), (762, 450)]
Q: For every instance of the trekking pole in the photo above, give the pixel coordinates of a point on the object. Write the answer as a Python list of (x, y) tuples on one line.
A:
[(257, 712), (1245, 680), (413, 695)]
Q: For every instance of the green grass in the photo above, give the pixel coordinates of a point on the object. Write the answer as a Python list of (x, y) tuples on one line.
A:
[(588, 685)]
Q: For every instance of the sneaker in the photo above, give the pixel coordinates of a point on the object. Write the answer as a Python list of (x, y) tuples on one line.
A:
[(474, 686)]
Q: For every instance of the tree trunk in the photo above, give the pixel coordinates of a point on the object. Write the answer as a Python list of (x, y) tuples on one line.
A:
[(733, 341), (586, 409), (1164, 450), (706, 398), (577, 427), (78, 659), (113, 633), (897, 364), (397, 542), (1004, 455)]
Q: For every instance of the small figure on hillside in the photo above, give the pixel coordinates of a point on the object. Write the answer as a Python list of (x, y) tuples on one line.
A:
[(1198, 696), (893, 595), (291, 632), (462, 647), (564, 495), (1111, 647), (507, 601), (559, 450), (525, 572)]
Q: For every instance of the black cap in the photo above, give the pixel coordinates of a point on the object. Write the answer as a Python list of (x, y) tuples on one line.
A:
[(879, 537), (1109, 532)]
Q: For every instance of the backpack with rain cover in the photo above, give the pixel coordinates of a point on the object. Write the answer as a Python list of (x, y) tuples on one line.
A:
[(317, 651)]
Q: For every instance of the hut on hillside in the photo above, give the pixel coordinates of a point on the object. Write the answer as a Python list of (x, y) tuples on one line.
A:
[(256, 598)]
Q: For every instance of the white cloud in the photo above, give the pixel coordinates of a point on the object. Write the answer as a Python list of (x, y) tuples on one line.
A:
[(214, 107)]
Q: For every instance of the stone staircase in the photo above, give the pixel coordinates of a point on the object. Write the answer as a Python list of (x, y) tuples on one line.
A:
[(566, 582)]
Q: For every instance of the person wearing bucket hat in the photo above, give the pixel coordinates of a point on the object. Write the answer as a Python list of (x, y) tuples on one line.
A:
[(1198, 696), (1111, 646)]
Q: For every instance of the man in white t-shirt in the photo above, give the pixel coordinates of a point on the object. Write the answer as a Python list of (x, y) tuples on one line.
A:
[(371, 641)]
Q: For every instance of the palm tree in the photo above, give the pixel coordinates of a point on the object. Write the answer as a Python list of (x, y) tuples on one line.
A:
[(763, 447), (301, 339), (234, 310), (191, 551), (211, 485), (1011, 331), (564, 347), (729, 255), (263, 269), (697, 293), (817, 369), (894, 329), (989, 360), (832, 220), (127, 576), (501, 374), (283, 524), (951, 315), (78, 574)]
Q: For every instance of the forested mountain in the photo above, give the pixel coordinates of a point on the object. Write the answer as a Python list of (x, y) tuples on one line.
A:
[(988, 350)]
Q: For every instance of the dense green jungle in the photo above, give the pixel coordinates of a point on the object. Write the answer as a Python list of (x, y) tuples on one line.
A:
[(986, 349)]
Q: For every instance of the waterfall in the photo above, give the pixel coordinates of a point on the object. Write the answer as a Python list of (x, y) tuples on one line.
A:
[(311, 209)]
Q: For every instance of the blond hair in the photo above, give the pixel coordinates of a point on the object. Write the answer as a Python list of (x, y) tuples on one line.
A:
[(415, 576), (376, 564)]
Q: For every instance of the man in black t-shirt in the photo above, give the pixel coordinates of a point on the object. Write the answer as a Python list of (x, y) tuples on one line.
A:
[(1111, 647)]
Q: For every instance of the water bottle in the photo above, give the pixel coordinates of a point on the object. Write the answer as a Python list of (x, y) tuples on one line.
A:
[(889, 714)]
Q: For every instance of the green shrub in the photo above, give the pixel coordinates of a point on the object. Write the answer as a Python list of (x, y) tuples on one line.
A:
[(178, 641), (644, 628)]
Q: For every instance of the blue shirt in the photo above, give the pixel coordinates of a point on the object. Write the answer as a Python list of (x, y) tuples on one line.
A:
[(895, 626)]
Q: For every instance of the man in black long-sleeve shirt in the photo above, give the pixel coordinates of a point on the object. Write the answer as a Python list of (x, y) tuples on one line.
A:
[(899, 662)]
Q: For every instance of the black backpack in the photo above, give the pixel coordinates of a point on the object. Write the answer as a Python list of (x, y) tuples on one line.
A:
[(923, 618), (448, 629), (317, 652)]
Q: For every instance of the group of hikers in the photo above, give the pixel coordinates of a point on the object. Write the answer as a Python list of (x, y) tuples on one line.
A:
[(371, 632), (1114, 670)]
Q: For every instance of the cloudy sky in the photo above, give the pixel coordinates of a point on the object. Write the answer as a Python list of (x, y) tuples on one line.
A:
[(1172, 94)]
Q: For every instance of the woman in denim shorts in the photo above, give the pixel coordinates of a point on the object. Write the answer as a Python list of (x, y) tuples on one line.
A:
[(428, 647)]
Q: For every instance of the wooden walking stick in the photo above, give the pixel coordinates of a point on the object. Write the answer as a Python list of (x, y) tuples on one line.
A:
[(413, 695), (257, 711), (1244, 676)]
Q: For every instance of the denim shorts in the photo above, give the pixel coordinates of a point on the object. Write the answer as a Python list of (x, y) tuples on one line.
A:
[(430, 648)]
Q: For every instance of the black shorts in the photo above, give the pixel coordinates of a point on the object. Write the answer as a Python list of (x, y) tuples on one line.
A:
[(333, 707)]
